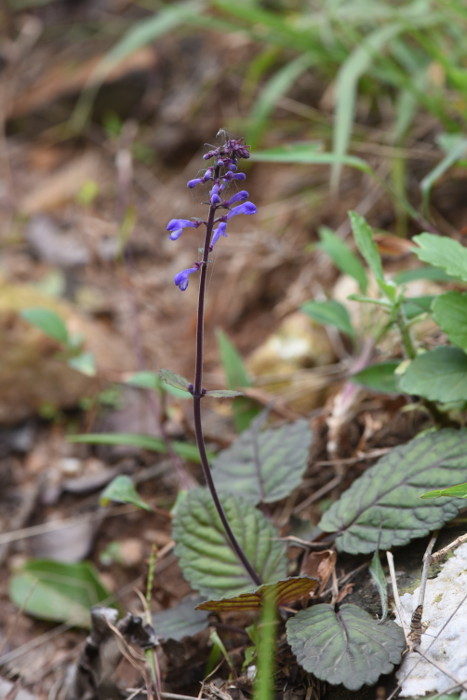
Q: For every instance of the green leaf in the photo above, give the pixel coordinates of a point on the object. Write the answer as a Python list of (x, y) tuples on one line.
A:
[(379, 579), (382, 509), (144, 442), (415, 306), (283, 592), (450, 313), (207, 560), (223, 394), (379, 377), (308, 153), (363, 56), (175, 380), (84, 363), (442, 252), (183, 620), (422, 273), (144, 380), (363, 234), (330, 313), (244, 409), (437, 375), (346, 646), (341, 255), (52, 590), (459, 491), (49, 323), (270, 94), (122, 490), (265, 466)]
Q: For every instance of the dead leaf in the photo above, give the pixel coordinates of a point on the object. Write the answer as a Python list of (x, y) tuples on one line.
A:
[(320, 565)]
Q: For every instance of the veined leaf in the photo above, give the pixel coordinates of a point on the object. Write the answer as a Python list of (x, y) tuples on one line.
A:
[(450, 313), (379, 579), (437, 375), (343, 257), (207, 560), (382, 509), (282, 592), (264, 466), (330, 312), (347, 646), (53, 590), (442, 252)]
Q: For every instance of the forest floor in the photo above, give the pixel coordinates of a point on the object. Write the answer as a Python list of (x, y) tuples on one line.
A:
[(82, 221)]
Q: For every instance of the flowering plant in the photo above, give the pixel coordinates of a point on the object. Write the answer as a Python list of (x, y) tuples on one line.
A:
[(220, 174)]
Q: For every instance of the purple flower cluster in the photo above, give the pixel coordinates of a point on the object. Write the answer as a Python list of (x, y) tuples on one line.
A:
[(221, 173)]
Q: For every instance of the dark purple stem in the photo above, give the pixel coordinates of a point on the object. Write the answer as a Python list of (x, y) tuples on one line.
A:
[(197, 396)]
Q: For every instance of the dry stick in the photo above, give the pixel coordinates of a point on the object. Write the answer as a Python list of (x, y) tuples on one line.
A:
[(437, 556)]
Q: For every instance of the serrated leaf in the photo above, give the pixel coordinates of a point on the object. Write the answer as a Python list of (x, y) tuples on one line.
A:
[(450, 313), (265, 466), (363, 234), (330, 313), (346, 646), (206, 557), (175, 380), (122, 490), (458, 491), (183, 620), (49, 323), (144, 442), (223, 394), (282, 592), (379, 377), (343, 257), (52, 590), (379, 579), (442, 252), (382, 509), (437, 375)]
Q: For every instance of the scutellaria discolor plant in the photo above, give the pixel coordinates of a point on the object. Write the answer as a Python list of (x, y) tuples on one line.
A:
[(221, 173)]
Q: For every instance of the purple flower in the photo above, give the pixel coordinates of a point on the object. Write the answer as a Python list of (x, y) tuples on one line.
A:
[(176, 227), (229, 175), (181, 279), (193, 183), (215, 199), (245, 208), (239, 197), (218, 232)]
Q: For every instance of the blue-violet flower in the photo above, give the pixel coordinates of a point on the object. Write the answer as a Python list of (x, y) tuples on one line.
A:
[(245, 208), (176, 226), (218, 232), (181, 279)]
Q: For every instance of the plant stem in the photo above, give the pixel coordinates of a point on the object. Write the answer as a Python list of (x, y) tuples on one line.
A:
[(197, 396)]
